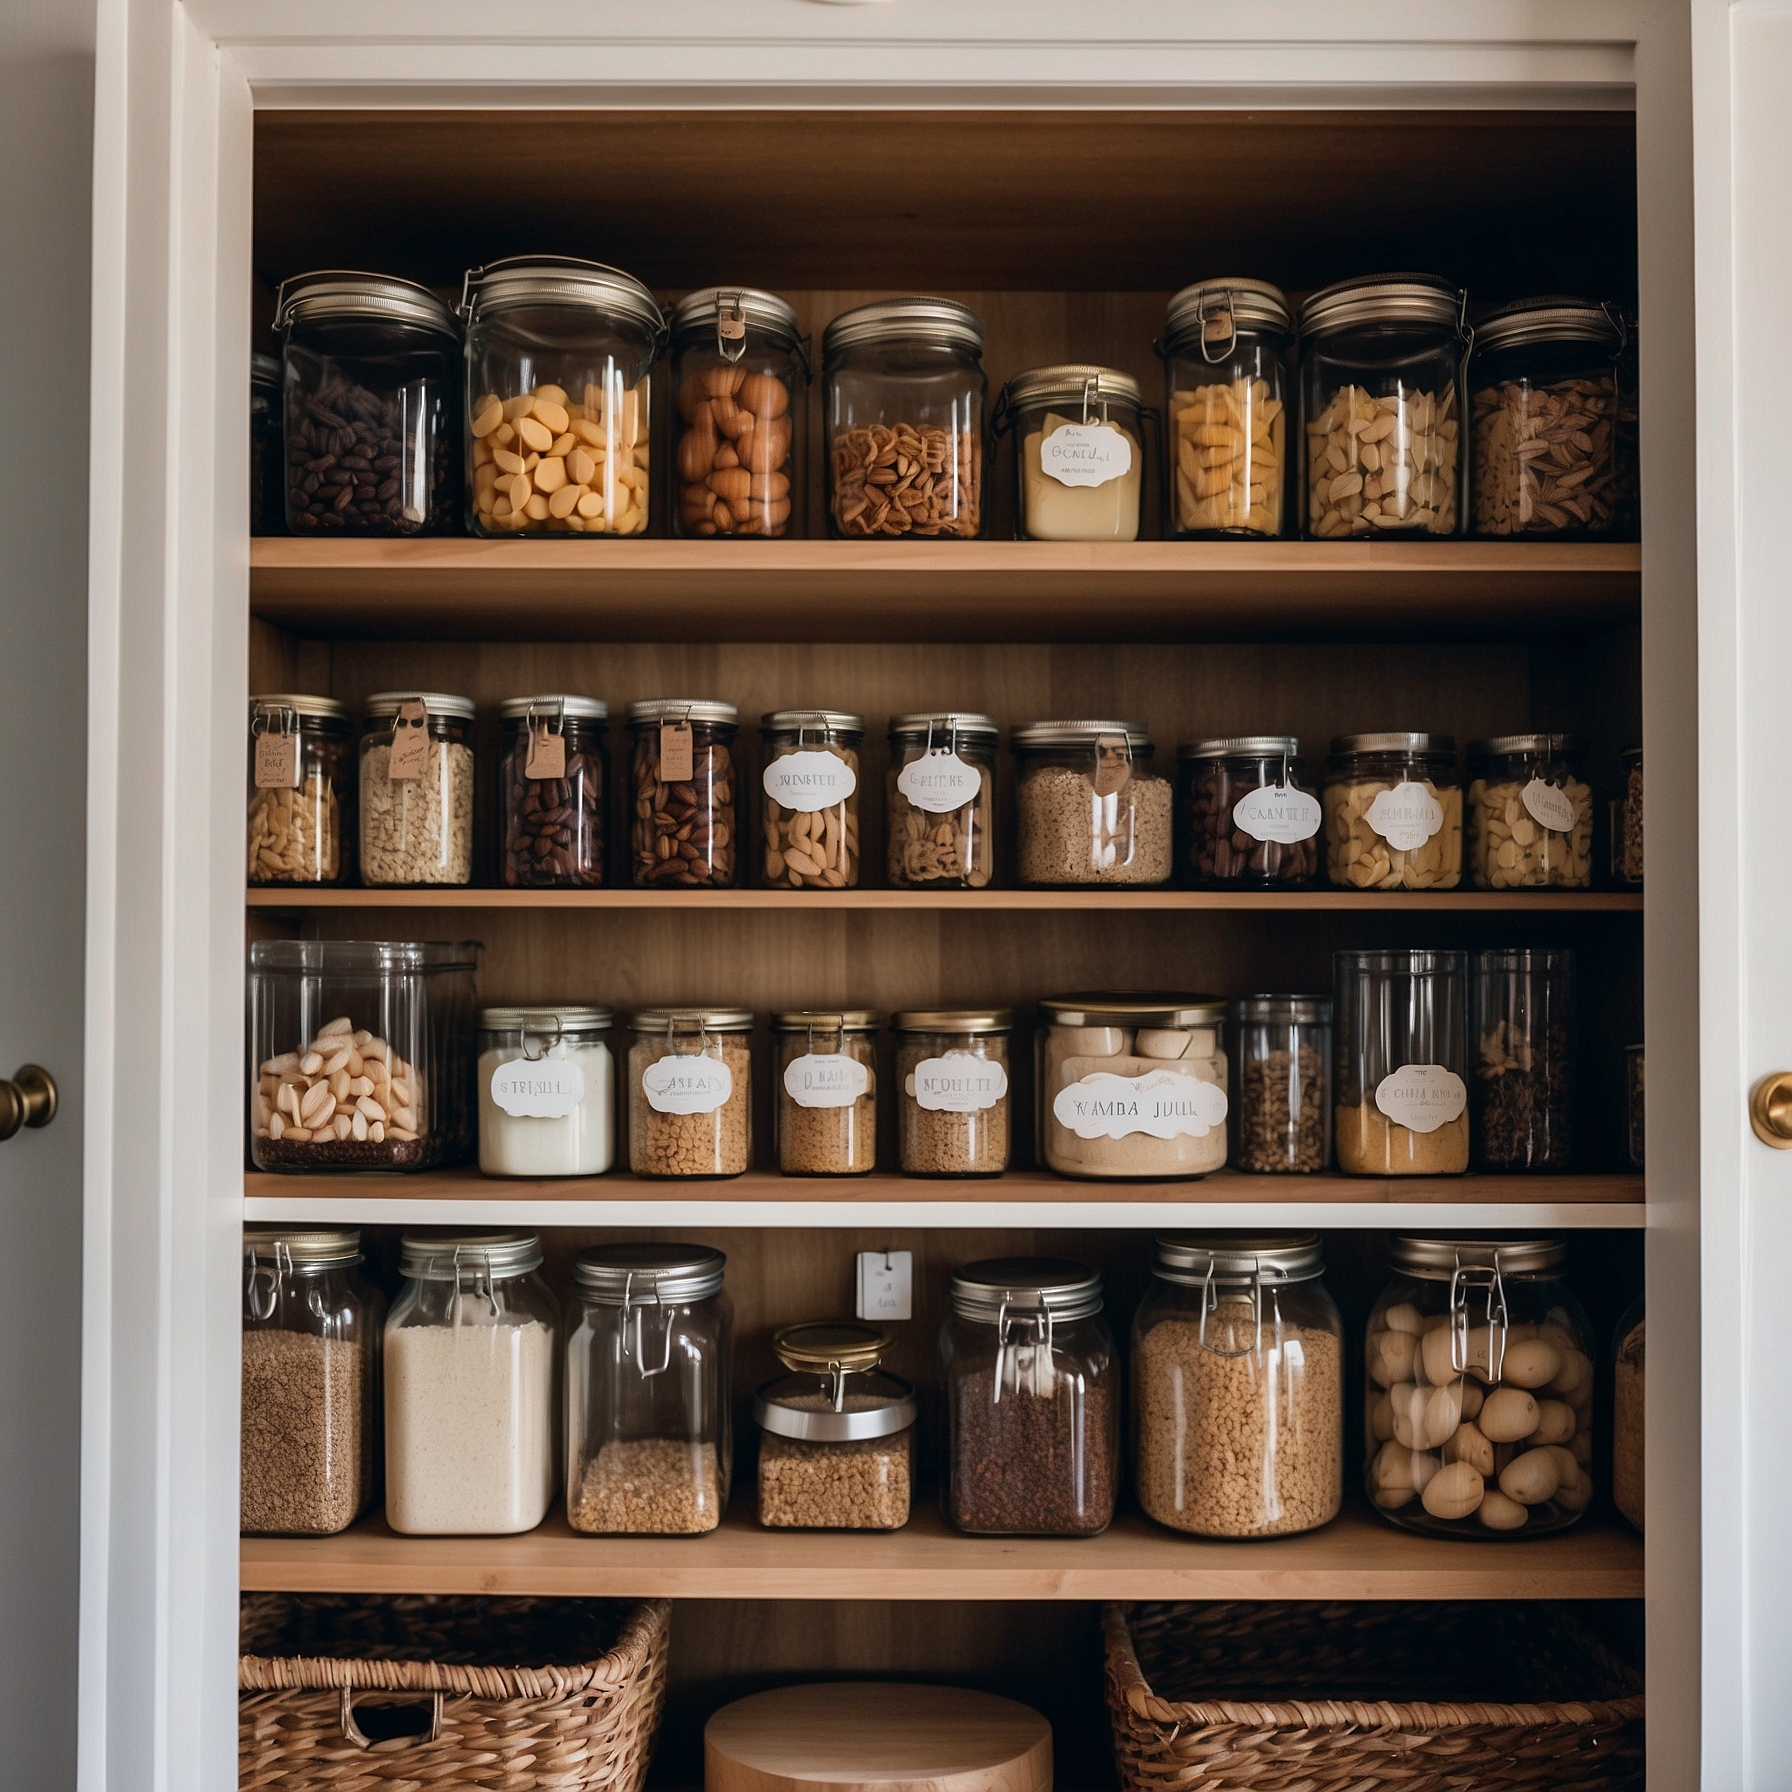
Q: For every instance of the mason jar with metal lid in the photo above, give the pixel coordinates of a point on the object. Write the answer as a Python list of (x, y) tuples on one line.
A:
[(685, 831), (553, 767), (811, 783), (905, 394), (267, 448), (952, 1090), (1281, 1084), (741, 377), (559, 353), (417, 789), (1393, 812), (648, 1448), (1246, 815), (690, 1092), (824, 1104), (299, 787), (1227, 352), (547, 1091), (372, 387), (1238, 1387), (1382, 365), (1079, 463), (1090, 808), (941, 800), (1530, 813)]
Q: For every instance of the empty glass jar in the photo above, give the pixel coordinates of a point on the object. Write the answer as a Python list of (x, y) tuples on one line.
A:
[(1246, 818), (690, 1092), (1091, 810), (825, 1104), (1079, 468), (553, 767), (952, 1090), (417, 789), (941, 799), (1525, 1048), (1393, 813), (684, 832), (1281, 1084), (811, 784), (1530, 813), (300, 784)]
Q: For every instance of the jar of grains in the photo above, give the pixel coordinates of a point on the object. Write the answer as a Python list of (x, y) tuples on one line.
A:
[(1091, 810), (836, 1434), (1530, 814), (1032, 1386), (941, 800), (811, 782), (1393, 813), (1246, 816), (547, 1092), (1078, 468), (1132, 1086), (690, 1094), (1282, 1084), (952, 1072), (1627, 824), (648, 1446), (417, 789), (1633, 1104), (299, 785), (472, 1416), (684, 833), (825, 1107), (1478, 1397), (904, 393), (1627, 1414), (1238, 1387), (311, 1347), (1226, 355), (552, 771), (1522, 1110), (267, 448)]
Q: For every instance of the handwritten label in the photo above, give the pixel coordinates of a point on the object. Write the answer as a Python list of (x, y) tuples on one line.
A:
[(939, 782), (1549, 805), (686, 1084), (1085, 454), (1277, 812), (1113, 764), (410, 741), (538, 1088), (1162, 1103), (957, 1083), (825, 1080), (547, 752), (1421, 1097), (277, 761), (677, 760), (808, 780), (1406, 816)]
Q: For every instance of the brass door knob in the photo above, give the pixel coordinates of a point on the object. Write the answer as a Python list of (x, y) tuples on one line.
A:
[(1770, 1110), (28, 1100)]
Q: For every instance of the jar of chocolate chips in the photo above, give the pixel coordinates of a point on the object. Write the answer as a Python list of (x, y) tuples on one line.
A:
[(551, 777), (1244, 817), (1524, 1045)]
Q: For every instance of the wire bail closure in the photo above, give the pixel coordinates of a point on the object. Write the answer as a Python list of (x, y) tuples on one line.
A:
[(1040, 1319), (1465, 1277)]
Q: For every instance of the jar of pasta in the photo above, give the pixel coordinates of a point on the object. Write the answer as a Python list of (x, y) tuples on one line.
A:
[(1393, 813), (1078, 467), (1530, 813), (1091, 809), (811, 783), (941, 801), (690, 1094), (299, 785), (825, 1106), (952, 1090), (417, 789)]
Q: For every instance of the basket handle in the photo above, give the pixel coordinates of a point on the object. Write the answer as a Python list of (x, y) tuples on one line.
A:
[(352, 1731)]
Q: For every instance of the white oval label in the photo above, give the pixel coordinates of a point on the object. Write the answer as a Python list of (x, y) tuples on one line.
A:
[(809, 780), (686, 1084), (1277, 812), (1550, 805), (957, 1083), (1406, 816), (1162, 1103), (1421, 1097), (825, 1080), (1085, 454), (939, 782), (538, 1088)]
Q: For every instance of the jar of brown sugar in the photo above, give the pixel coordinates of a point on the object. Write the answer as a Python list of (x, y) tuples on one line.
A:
[(825, 1105), (690, 1096), (952, 1090)]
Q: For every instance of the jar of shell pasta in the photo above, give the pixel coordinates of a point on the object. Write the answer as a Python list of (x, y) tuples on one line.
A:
[(811, 785)]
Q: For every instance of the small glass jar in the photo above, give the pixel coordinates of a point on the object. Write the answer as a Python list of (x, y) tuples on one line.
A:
[(684, 833), (1633, 1104), (1032, 1389), (1227, 372), (299, 785), (1090, 808), (648, 1447), (559, 353), (836, 1434), (952, 1079), (267, 448), (1247, 817), (417, 789), (1526, 1043), (1131, 1086), (941, 800), (1478, 1396), (547, 1092), (1530, 813), (372, 378), (472, 1373), (905, 395), (1238, 1387), (1627, 1414), (1402, 1107), (1393, 813), (825, 1107), (1079, 467), (1381, 389), (741, 380), (1627, 824), (552, 770), (690, 1092), (311, 1349), (811, 784), (1282, 1085)]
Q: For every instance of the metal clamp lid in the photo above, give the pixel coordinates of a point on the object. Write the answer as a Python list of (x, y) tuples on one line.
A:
[(929, 724), (1040, 736), (1073, 382), (648, 1273), (1439, 1259), (1413, 299), (811, 721), (729, 312), (454, 1256), (344, 293), (1197, 311), (549, 1024), (683, 709), (384, 704), (1555, 317), (520, 280), (942, 321), (295, 704), (696, 1020), (1237, 1258), (825, 1020), (556, 706), (986, 1290), (1556, 746), (271, 1254)]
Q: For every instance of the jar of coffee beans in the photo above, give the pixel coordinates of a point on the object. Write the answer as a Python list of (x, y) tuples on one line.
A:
[(683, 832), (1245, 816), (551, 777), (1282, 1084)]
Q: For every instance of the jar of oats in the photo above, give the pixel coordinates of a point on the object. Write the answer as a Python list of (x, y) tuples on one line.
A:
[(417, 789), (811, 784), (690, 1095), (1091, 809), (1393, 813), (825, 1104), (1530, 813), (299, 785), (952, 1090), (941, 800)]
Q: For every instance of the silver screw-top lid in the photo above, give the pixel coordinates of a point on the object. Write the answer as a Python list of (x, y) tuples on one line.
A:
[(983, 1290), (1243, 746), (1554, 317), (341, 293), (646, 1274), (683, 709), (1037, 736), (944, 321), (811, 721), (1397, 299), (942, 724), (1238, 1257), (456, 1256), (521, 280), (953, 1020), (312, 1247), (1429, 745), (436, 703), (1438, 1259), (692, 1020), (825, 1020), (553, 705), (1556, 746), (1070, 383)]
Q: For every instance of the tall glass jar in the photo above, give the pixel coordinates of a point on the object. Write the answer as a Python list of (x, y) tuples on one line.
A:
[(1627, 824), (690, 1092), (547, 1091), (1238, 1387), (267, 448), (299, 786), (1628, 1355), (311, 1349), (553, 768), (1227, 370), (1247, 818), (741, 379), (1530, 813), (1382, 401), (1633, 1104), (1478, 1394), (1090, 808), (1525, 1049), (417, 789), (824, 1105), (472, 1366), (1402, 1107), (558, 414), (684, 833), (647, 1390), (1282, 1085), (1393, 813), (905, 395), (811, 784), (1079, 467), (372, 379), (942, 800), (952, 1090), (1032, 1390)]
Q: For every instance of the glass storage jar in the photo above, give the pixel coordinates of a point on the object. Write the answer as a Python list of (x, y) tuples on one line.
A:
[(547, 1091), (1478, 1396), (811, 784), (1627, 824), (836, 1434), (1131, 1085), (361, 1054), (299, 787), (1247, 817), (1079, 468), (1282, 1084), (904, 392), (1090, 808), (1238, 1387), (825, 1105), (1381, 379), (1627, 1414), (552, 770), (417, 789), (1633, 1103), (1393, 812), (267, 447), (1227, 371), (1402, 1107), (472, 1366), (690, 1093), (372, 388), (1530, 813), (311, 1346), (648, 1449), (741, 381), (1032, 1386), (952, 1082), (1522, 1111), (684, 832), (559, 354), (941, 799)]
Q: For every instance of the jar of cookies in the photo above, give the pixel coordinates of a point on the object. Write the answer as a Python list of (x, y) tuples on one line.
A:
[(811, 784), (825, 1104), (683, 833), (1245, 817), (299, 787), (952, 1090), (1393, 813), (1530, 813), (941, 801), (690, 1092), (1091, 809)]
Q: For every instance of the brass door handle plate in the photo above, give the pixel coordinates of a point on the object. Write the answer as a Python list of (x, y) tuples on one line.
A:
[(28, 1100), (1770, 1110)]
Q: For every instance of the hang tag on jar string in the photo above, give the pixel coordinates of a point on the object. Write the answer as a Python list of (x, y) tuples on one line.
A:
[(547, 751), (677, 754), (1113, 764), (277, 761), (410, 740)]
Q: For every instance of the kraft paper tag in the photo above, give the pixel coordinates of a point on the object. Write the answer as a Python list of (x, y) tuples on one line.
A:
[(410, 740), (547, 753), (276, 762), (677, 757), (1113, 764)]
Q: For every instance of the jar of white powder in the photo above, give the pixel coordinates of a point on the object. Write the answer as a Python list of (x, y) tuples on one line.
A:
[(546, 1092)]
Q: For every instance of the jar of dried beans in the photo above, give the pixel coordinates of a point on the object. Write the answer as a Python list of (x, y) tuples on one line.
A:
[(690, 1092), (552, 772), (684, 832), (825, 1102), (811, 784), (1530, 813), (941, 801), (1522, 1107), (417, 789), (1079, 468), (952, 1090), (1281, 1084), (1091, 809), (300, 785), (1246, 816), (1393, 813)]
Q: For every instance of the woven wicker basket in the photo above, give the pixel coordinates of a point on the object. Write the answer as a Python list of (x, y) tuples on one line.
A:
[(354, 1694), (1393, 1716)]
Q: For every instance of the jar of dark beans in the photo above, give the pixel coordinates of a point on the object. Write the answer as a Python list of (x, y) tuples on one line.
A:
[(683, 832), (1523, 1090), (267, 465), (372, 391), (1244, 816), (551, 778)]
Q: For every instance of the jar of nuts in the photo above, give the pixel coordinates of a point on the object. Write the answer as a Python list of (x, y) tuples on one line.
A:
[(1227, 350), (558, 357), (941, 800), (1530, 817), (690, 1096), (741, 379), (299, 786), (552, 771), (1246, 818), (1078, 466), (824, 1107), (905, 397), (811, 782), (1091, 810), (1282, 1084), (417, 789), (952, 1090), (1393, 813), (683, 833)]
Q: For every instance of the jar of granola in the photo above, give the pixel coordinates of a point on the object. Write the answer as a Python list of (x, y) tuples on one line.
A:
[(1092, 811)]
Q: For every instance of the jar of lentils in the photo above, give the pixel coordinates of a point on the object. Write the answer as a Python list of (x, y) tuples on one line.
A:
[(684, 833), (941, 801), (952, 1090), (1282, 1084), (299, 787), (1247, 818), (552, 772), (811, 783)]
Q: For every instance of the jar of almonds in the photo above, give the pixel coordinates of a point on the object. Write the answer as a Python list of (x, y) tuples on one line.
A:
[(683, 832), (1530, 815), (941, 800), (1393, 813), (811, 782), (299, 786)]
